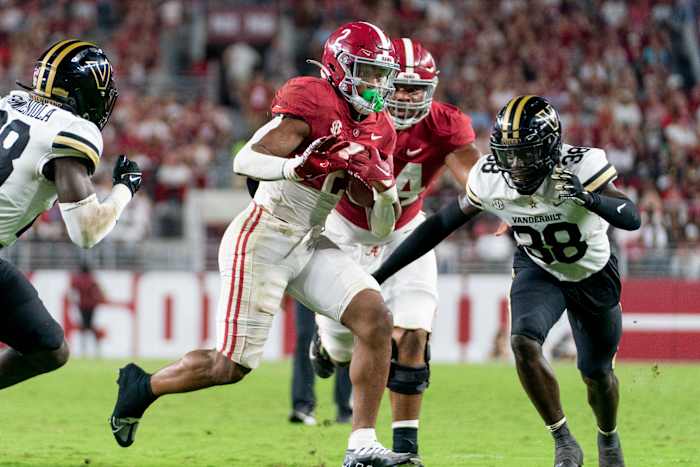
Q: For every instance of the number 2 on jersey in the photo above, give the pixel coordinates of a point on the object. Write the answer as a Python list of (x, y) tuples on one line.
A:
[(13, 139), (547, 246)]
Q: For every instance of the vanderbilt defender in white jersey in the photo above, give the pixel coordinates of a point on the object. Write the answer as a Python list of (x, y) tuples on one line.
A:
[(50, 145), (39, 134), (559, 201), (564, 238)]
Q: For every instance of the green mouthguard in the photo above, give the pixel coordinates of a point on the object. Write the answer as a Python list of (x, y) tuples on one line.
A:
[(374, 98)]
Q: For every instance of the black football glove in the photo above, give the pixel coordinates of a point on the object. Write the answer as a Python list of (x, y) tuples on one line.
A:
[(127, 173), (568, 186)]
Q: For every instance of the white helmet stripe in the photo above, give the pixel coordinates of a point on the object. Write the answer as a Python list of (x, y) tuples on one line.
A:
[(408, 51), (382, 37)]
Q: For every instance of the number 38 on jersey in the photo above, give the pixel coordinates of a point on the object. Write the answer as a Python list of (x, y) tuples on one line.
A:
[(562, 237)]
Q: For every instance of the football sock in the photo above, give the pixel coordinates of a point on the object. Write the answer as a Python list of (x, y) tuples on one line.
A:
[(361, 438), (607, 433), (608, 439), (560, 432), (146, 389), (556, 426), (405, 436), (144, 397)]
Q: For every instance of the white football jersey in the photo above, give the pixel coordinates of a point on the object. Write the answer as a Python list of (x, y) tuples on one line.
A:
[(31, 134), (565, 239)]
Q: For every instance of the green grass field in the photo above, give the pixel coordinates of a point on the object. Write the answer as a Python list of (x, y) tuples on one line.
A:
[(473, 416)]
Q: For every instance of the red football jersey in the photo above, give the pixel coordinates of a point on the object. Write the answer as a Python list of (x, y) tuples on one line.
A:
[(315, 101), (419, 156)]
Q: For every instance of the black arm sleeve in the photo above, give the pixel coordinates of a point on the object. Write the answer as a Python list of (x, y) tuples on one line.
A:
[(431, 232), (619, 212)]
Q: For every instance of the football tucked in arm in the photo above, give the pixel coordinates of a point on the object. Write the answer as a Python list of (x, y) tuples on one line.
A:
[(359, 193), (368, 169)]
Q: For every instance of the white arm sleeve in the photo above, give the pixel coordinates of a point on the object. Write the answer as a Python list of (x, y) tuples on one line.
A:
[(261, 166), (88, 221), (383, 216)]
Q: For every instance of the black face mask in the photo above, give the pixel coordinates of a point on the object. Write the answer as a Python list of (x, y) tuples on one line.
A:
[(523, 166)]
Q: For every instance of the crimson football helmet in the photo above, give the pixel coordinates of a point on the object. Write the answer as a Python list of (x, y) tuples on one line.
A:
[(417, 80), (358, 59)]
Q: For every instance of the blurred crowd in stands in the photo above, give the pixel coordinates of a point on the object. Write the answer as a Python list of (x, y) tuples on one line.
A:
[(624, 76)]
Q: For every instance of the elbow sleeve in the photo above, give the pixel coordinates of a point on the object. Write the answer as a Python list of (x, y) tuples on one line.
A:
[(88, 221), (383, 216)]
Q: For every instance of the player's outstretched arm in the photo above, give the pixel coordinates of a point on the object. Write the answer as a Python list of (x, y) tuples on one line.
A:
[(431, 232), (87, 219), (609, 203)]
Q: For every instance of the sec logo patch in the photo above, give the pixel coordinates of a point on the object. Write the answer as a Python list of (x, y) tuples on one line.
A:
[(336, 127)]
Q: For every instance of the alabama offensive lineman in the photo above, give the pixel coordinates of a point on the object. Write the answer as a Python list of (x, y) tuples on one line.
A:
[(432, 136), (323, 129)]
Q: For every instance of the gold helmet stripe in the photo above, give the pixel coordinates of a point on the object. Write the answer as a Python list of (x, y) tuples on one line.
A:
[(57, 61), (507, 125), (518, 113), (44, 60)]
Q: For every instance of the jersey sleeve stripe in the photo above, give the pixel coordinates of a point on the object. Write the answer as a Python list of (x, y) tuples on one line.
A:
[(63, 143), (63, 150), (79, 138), (607, 174), (473, 198)]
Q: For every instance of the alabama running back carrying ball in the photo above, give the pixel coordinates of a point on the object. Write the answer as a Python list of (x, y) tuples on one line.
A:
[(431, 136), (323, 129)]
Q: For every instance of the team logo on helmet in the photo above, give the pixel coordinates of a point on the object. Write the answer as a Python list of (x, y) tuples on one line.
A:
[(102, 73)]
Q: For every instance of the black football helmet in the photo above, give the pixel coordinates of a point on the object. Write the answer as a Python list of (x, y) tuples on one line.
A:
[(77, 76), (526, 141)]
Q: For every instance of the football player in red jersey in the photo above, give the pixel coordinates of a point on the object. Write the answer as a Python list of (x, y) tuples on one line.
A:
[(431, 136), (323, 129)]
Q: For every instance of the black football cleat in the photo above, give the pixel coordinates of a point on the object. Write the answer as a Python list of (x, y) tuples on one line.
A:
[(568, 454), (133, 398), (320, 360), (124, 430), (416, 461), (610, 451), (377, 455)]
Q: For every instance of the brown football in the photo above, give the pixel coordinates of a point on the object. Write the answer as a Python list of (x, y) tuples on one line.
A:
[(358, 193)]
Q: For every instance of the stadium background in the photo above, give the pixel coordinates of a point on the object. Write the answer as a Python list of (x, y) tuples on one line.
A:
[(196, 78)]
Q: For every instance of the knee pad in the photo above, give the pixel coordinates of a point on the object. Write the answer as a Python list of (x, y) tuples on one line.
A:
[(405, 379)]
